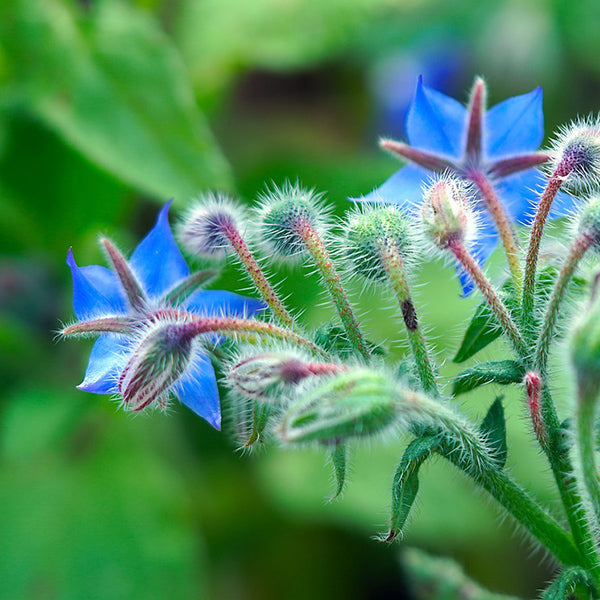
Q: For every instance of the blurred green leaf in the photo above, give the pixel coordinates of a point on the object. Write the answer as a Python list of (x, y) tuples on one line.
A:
[(434, 578), (501, 371), (111, 84), (90, 508)]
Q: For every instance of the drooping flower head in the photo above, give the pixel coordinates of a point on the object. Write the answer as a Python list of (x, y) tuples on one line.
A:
[(155, 280), (473, 143)]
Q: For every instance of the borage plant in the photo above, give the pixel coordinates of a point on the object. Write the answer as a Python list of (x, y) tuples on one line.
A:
[(473, 175)]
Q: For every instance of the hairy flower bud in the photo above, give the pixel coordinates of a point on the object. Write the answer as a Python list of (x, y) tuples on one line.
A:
[(589, 221), (358, 403), (576, 153), (369, 232), (160, 358), (284, 215), (207, 227), (447, 213), (263, 376)]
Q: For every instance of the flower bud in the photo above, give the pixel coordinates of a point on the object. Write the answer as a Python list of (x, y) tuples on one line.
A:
[(206, 228), (160, 358), (358, 403), (263, 376), (447, 213), (576, 153), (368, 232), (589, 221), (283, 216)]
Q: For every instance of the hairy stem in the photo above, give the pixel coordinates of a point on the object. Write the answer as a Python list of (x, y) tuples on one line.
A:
[(331, 278), (394, 266), (485, 287), (580, 246), (258, 277), (537, 230)]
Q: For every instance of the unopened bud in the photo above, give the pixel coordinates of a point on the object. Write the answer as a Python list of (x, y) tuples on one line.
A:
[(209, 224), (589, 221), (263, 376), (160, 358), (283, 215), (447, 214), (358, 403), (576, 154), (368, 233)]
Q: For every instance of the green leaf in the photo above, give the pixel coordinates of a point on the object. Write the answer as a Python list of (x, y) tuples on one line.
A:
[(484, 328), (338, 459), (503, 372), (406, 480), (493, 427), (567, 582), (110, 83), (434, 578)]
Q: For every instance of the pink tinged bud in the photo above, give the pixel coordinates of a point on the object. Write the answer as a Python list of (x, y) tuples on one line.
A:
[(447, 215), (210, 225), (265, 375), (576, 154), (533, 386), (159, 360)]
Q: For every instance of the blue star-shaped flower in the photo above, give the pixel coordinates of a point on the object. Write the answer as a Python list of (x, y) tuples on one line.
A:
[(136, 288), (498, 145)]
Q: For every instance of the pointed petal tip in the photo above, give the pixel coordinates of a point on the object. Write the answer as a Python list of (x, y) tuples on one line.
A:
[(70, 258)]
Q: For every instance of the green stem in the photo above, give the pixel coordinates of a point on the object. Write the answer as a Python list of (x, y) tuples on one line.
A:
[(530, 515), (394, 266), (485, 287), (503, 224), (537, 230), (580, 246), (586, 418), (258, 277), (323, 261)]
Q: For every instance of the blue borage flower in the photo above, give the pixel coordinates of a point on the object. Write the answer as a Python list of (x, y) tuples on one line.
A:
[(159, 267), (500, 144)]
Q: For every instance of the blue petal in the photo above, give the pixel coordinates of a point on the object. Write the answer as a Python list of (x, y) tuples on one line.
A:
[(209, 302), (157, 261), (405, 188), (435, 122), (520, 194), (96, 290), (197, 389), (106, 361), (564, 205), (515, 125), (481, 249)]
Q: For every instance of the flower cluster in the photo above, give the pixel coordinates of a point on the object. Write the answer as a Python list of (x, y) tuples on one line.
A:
[(474, 178)]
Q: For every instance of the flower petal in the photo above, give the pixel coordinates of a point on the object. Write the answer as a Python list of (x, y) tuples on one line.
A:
[(520, 194), (435, 121), (157, 261), (209, 302), (515, 125), (106, 361), (96, 290), (197, 389), (404, 188)]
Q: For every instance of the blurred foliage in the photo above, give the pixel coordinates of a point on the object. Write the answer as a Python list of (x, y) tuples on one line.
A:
[(102, 106)]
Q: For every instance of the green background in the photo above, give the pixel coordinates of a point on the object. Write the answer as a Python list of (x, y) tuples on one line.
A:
[(108, 108)]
